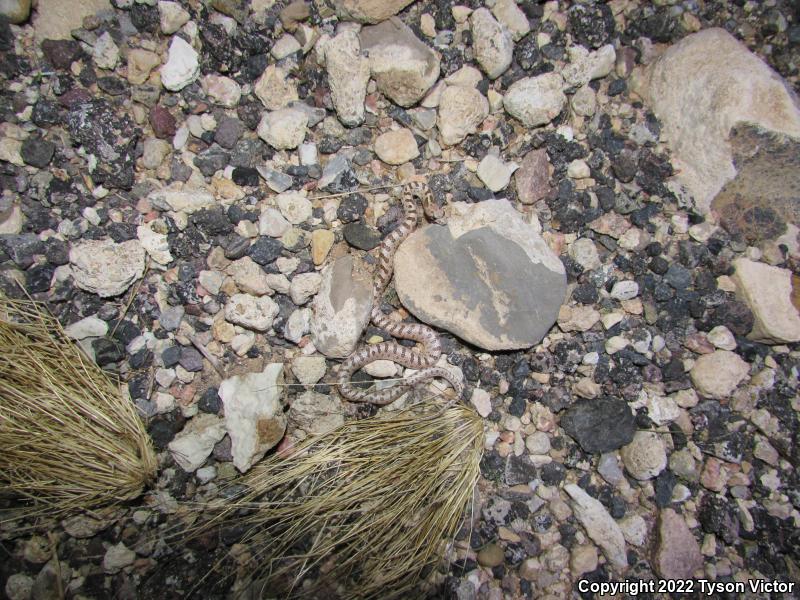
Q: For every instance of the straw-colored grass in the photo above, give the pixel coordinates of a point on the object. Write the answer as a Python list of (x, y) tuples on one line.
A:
[(69, 440), (364, 511)]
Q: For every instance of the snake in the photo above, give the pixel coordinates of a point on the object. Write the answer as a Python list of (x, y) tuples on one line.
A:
[(423, 361)]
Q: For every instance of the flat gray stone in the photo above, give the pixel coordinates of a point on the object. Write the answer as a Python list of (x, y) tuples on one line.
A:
[(487, 277)]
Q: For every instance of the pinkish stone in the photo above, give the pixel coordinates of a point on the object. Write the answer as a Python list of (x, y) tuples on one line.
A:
[(533, 177), (162, 122), (677, 553)]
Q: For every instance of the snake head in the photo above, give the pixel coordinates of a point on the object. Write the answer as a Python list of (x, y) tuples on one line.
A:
[(434, 212)]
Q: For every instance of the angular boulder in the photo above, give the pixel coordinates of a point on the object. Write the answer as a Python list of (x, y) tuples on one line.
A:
[(487, 277)]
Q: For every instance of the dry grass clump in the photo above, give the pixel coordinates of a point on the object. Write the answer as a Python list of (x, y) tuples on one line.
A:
[(364, 511), (68, 439)]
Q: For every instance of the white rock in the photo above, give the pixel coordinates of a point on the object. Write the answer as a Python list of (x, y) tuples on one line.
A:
[(461, 111), (254, 416), (482, 402), (538, 443), (242, 342), (154, 243), (19, 586), (294, 206), (211, 281), (272, 223), (537, 100), (634, 528), (348, 75), (625, 290), (466, 76), (118, 557), (10, 151), (716, 375), (646, 456), (662, 410), (284, 46), (87, 327), (768, 291), (250, 278), (155, 151), (585, 66), (251, 312), (599, 525), (494, 173), (584, 101), (275, 88), (396, 147), (182, 66), (105, 268), (105, 52), (403, 67), (510, 15), (278, 282), (308, 153), (304, 286), (283, 129), (722, 338), (491, 42), (584, 252), (297, 325), (223, 91), (172, 16), (368, 11), (317, 413), (191, 447), (206, 474), (309, 369), (578, 169), (381, 369)]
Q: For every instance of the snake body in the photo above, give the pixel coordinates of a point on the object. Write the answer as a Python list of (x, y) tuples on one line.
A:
[(408, 357)]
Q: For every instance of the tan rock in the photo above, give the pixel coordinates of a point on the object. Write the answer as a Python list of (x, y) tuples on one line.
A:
[(396, 147), (702, 87), (55, 19), (321, 243), (275, 88), (140, 64), (772, 294), (716, 375), (369, 11), (461, 111)]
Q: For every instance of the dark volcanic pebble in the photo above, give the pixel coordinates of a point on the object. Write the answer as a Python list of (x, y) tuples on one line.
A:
[(599, 425), (361, 236), (37, 152)]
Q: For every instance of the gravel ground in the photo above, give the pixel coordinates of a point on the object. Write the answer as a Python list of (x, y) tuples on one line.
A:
[(179, 177)]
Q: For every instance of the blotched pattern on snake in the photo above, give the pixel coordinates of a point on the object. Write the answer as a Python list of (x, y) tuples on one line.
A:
[(390, 350)]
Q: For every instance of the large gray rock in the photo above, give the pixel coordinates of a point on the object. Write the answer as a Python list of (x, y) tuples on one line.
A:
[(342, 307), (488, 277), (348, 75), (106, 268), (701, 88), (369, 11), (254, 416), (403, 67)]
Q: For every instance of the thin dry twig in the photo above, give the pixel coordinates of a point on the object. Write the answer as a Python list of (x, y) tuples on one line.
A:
[(69, 441)]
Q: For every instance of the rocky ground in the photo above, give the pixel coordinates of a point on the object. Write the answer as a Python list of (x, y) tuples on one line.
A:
[(197, 189)]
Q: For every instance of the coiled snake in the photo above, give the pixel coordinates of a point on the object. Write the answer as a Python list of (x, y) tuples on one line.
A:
[(408, 357)]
